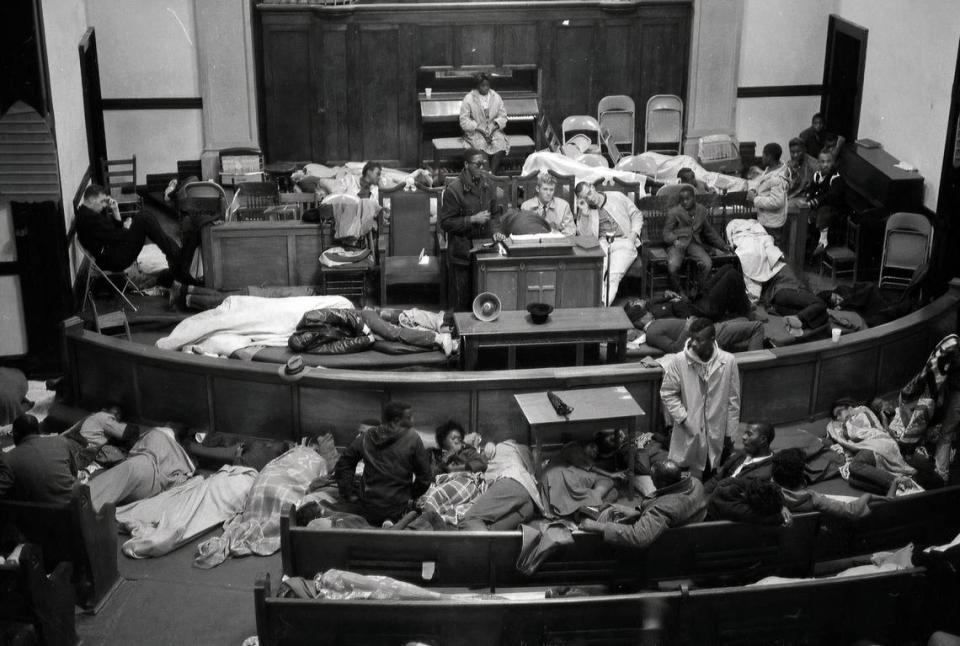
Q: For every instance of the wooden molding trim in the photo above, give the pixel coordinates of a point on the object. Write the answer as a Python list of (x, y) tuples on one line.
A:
[(771, 91), (176, 103)]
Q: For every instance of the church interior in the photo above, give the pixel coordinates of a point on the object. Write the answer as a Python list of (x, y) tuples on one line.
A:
[(419, 322)]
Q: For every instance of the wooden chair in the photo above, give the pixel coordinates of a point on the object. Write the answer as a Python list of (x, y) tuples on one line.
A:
[(29, 595), (94, 271), (252, 200), (653, 255), (617, 185), (526, 186), (506, 190), (120, 180), (303, 201), (841, 260), (408, 249), (74, 533), (110, 320)]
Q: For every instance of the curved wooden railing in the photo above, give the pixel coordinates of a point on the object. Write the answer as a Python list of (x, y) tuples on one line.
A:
[(779, 386)]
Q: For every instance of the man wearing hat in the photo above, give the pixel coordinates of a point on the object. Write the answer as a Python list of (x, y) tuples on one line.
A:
[(396, 468)]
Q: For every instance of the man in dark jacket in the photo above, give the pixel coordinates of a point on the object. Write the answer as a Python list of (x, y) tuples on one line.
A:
[(825, 197), (688, 233), (39, 468), (468, 204), (115, 242), (396, 467), (678, 500), (753, 461)]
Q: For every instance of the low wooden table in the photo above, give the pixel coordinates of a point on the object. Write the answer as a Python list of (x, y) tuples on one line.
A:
[(593, 410), (575, 326)]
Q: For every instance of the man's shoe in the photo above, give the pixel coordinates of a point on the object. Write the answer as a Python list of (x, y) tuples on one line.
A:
[(819, 250)]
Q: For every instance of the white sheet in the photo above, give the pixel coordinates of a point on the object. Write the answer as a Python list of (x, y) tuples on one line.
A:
[(241, 321), (545, 160), (669, 165), (760, 259)]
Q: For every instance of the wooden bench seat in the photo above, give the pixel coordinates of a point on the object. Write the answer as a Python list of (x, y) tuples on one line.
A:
[(71, 533), (28, 595), (707, 553), (888, 606)]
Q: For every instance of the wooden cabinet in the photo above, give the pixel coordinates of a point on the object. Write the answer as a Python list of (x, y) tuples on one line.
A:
[(561, 281), (341, 85)]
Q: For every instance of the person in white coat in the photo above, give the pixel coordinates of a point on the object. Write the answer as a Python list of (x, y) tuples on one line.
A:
[(701, 395), (769, 193), (483, 119)]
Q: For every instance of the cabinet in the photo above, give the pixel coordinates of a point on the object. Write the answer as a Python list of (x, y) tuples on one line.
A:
[(563, 281)]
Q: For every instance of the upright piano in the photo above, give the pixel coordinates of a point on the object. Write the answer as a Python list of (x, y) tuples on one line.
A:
[(518, 86), (875, 189)]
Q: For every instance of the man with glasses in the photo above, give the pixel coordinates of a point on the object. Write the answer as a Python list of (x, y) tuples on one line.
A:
[(468, 204)]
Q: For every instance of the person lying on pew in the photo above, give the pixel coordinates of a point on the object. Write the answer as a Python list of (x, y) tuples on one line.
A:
[(453, 453), (787, 469), (752, 462), (678, 500), (748, 500), (512, 496), (38, 468), (396, 468), (791, 298), (670, 334), (573, 480)]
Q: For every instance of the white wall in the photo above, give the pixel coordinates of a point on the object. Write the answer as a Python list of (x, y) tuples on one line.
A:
[(782, 43), (148, 50), (911, 57), (64, 23)]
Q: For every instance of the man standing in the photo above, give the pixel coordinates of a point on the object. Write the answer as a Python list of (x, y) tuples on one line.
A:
[(39, 468), (688, 233), (770, 193), (825, 196), (701, 393), (115, 242), (615, 221), (814, 137), (396, 467), (678, 500), (468, 203), (552, 209)]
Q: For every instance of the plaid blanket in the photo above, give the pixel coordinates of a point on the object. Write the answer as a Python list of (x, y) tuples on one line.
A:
[(452, 494)]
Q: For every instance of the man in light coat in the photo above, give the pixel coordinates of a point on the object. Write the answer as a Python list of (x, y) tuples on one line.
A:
[(769, 194), (701, 394)]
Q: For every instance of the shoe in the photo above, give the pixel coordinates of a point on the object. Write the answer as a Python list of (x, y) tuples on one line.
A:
[(171, 187), (446, 343), (819, 250)]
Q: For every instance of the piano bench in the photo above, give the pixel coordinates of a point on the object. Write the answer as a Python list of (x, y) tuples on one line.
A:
[(447, 149)]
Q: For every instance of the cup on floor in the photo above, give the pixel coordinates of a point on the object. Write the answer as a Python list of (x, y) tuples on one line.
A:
[(428, 91), (835, 334)]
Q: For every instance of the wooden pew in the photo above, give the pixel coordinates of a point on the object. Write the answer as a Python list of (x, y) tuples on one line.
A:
[(828, 611), (73, 533), (29, 595), (928, 518), (705, 553)]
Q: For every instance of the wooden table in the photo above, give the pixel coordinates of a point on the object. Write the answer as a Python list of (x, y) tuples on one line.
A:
[(576, 326), (593, 410)]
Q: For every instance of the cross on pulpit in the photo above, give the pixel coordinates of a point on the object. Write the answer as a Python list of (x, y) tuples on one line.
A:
[(540, 282)]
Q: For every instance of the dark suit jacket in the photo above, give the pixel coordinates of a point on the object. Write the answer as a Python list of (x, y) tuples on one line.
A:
[(761, 470)]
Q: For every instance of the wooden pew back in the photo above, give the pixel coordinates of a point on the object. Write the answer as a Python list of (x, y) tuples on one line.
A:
[(29, 595)]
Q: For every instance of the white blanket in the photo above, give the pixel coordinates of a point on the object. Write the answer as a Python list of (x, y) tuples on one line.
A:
[(161, 524), (760, 259), (545, 160), (241, 321), (669, 165)]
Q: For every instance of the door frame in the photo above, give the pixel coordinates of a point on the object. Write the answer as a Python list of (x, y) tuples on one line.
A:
[(835, 26), (944, 266), (92, 104)]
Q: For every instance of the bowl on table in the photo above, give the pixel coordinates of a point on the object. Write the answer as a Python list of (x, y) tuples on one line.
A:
[(539, 312)]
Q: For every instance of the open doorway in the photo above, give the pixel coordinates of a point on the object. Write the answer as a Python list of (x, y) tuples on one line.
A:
[(946, 240), (92, 103), (843, 77)]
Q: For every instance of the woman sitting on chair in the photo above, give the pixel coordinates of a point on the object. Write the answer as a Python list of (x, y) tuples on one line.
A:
[(483, 118)]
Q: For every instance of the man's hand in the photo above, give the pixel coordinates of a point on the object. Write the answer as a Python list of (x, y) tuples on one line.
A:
[(588, 525), (115, 208), (687, 427), (786, 516), (499, 237), (751, 195), (481, 217)]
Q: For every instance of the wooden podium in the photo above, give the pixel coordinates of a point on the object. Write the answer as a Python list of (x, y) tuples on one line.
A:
[(564, 280)]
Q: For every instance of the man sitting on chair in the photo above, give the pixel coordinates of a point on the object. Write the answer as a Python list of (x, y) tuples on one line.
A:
[(615, 221), (689, 234), (554, 210), (115, 242)]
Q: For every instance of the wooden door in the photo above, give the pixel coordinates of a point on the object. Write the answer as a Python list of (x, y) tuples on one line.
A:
[(287, 93), (843, 67), (92, 103), (945, 262)]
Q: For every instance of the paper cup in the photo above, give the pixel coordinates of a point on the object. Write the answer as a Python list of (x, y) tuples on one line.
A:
[(835, 334), (428, 91)]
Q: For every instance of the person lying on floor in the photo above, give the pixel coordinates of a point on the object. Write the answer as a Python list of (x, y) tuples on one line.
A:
[(572, 480), (868, 301), (874, 462), (678, 500), (792, 299), (102, 438), (38, 468), (671, 334), (787, 469), (396, 468)]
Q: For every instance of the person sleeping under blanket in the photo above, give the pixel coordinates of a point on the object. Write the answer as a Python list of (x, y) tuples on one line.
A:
[(572, 480), (358, 179), (341, 331)]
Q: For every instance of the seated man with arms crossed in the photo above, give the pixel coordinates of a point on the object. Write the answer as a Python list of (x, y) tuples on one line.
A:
[(615, 221), (678, 500), (689, 235), (115, 242), (396, 468)]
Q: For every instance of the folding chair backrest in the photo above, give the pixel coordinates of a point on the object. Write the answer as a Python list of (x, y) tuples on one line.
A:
[(617, 114), (579, 123), (664, 123), (204, 189), (905, 249), (409, 221), (120, 174)]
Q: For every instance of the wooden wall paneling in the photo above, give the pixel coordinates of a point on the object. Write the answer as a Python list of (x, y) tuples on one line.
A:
[(287, 91), (265, 410), (573, 64), (900, 361), (435, 44), (409, 129), (328, 410), (427, 416), (309, 246), (848, 374), (172, 395), (254, 261), (498, 415), (330, 74), (378, 84), (518, 44), (475, 44), (777, 393), (105, 378), (661, 62)]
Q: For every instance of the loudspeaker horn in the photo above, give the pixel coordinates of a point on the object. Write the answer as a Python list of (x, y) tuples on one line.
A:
[(486, 306)]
